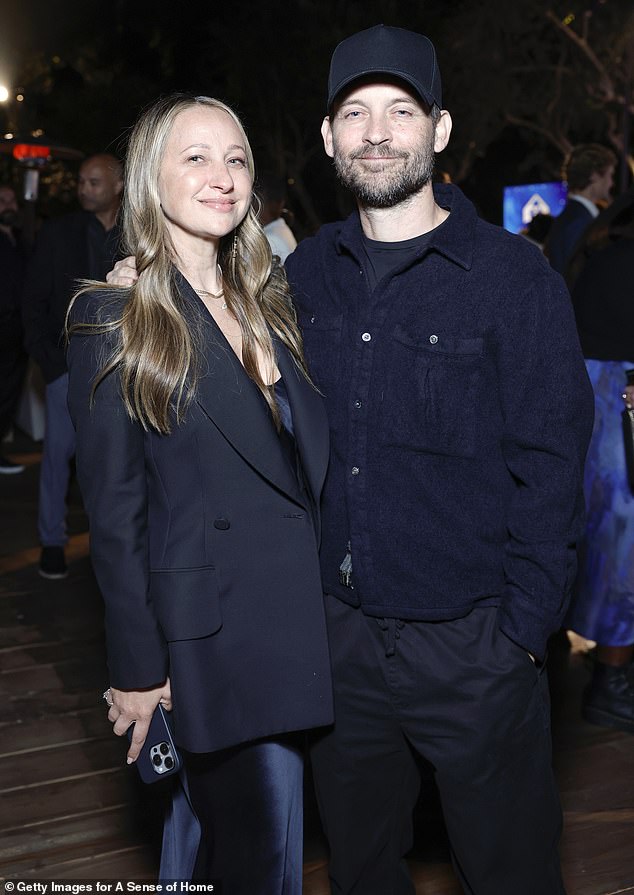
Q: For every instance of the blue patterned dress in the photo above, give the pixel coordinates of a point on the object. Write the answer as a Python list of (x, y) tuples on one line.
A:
[(603, 603)]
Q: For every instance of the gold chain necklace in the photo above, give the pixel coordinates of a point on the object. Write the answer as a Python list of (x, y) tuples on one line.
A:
[(202, 292)]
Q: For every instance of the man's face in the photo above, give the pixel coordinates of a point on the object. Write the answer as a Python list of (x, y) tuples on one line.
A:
[(8, 207), (383, 142), (98, 187), (602, 184)]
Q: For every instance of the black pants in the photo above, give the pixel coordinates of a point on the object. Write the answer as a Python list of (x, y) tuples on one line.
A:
[(470, 701)]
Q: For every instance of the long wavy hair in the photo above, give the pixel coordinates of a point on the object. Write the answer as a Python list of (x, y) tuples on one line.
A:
[(157, 355)]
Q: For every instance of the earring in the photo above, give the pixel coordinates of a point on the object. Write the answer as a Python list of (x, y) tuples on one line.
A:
[(234, 253)]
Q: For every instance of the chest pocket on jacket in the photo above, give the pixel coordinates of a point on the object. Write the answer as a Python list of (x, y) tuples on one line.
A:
[(322, 349), (434, 392)]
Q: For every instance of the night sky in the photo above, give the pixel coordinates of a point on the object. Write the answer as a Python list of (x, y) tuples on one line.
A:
[(47, 26), (269, 59)]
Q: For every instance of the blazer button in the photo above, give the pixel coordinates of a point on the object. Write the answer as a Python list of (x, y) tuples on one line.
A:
[(222, 524)]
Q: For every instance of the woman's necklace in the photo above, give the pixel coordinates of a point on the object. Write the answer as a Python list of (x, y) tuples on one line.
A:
[(220, 294)]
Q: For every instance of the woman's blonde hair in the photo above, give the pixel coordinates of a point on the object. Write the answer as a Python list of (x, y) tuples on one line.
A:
[(157, 355)]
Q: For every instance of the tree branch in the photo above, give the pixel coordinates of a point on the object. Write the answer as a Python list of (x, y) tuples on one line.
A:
[(557, 139), (607, 83)]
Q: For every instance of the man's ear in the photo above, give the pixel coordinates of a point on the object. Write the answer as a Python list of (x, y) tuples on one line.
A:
[(326, 133), (443, 131)]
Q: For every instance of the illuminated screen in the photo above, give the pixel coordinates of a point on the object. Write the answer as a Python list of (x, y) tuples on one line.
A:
[(522, 203)]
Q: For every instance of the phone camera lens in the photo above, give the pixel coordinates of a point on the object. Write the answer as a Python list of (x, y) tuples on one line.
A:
[(169, 763), (164, 747), (157, 760)]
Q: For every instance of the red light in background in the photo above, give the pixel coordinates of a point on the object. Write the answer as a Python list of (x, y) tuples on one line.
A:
[(24, 151)]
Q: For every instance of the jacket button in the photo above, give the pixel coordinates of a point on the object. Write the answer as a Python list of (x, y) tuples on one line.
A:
[(222, 524)]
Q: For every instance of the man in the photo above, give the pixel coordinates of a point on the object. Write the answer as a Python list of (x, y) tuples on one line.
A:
[(272, 191), (460, 412), (589, 173), (80, 245), (12, 355)]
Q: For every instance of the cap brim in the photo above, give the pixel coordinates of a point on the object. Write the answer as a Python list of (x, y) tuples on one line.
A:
[(401, 76)]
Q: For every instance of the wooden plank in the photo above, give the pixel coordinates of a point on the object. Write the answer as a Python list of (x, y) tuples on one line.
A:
[(134, 862), (34, 630), (598, 858), (50, 836), (77, 548), (30, 706), (584, 783), (53, 652), (72, 673), (54, 729), (23, 805), (435, 879), (42, 766), (315, 880)]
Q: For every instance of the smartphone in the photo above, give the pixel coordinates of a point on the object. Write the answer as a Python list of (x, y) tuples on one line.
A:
[(159, 756)]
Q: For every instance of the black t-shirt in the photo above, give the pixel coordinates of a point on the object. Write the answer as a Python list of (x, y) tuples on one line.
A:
[(383, 257)]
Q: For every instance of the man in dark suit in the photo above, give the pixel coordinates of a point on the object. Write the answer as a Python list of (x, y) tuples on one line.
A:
[(81, 245), (589, 173), (12, 355)]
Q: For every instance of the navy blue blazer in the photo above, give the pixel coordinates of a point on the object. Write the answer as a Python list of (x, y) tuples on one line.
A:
[(565, 233), (204, 543)]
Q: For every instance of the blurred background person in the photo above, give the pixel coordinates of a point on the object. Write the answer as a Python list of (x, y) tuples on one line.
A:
[(80, 245), (603, 605), (13, 358), (589, 172), (537, 230), (272, 192)]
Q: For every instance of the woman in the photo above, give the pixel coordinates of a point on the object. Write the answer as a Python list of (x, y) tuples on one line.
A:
[(201, 451), (603, 605)]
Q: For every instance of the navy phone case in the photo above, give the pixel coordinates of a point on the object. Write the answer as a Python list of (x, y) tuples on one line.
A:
[(159, 756)]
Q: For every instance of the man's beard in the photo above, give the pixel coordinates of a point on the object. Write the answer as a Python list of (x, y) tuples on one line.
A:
[(391, 184)]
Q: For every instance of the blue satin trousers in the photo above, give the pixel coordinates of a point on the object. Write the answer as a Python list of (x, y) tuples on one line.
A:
[(238, 819)]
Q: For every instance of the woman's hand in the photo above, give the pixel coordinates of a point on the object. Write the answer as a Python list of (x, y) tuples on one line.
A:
[(124, 272), (136, 707)]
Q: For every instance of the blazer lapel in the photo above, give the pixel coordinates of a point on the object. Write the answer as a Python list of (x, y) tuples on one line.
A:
[(309, 420), (234, 404)]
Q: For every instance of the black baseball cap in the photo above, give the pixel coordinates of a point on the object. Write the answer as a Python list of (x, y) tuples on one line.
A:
[(386, 51)]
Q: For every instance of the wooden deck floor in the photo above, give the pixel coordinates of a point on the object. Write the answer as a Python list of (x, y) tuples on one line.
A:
[(71, 810)]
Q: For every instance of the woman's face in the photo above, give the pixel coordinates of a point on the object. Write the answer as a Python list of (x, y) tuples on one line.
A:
[(204, 182)]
